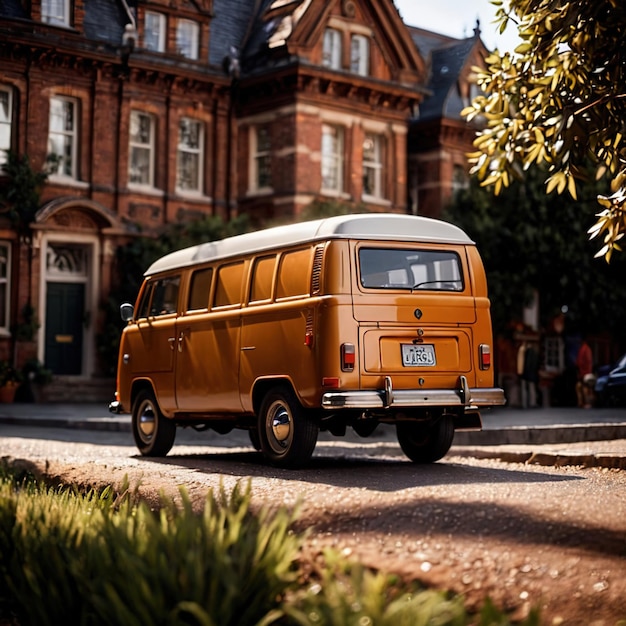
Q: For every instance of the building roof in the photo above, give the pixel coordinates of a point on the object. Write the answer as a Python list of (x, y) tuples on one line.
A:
[(448, 58), (105, 21), (232, 24), (376, 226), (12, 8)]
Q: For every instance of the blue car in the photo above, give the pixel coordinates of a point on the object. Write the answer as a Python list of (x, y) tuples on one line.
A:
[(611, 384)]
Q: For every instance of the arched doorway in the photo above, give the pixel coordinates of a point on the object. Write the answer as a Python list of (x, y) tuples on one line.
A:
[(74, 240)]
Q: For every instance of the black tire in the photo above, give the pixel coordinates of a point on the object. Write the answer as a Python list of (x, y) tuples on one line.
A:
[(154, 433), (287, 435), (426, 442), (255, 440)]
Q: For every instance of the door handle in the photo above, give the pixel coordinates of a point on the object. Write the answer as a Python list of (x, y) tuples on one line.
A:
[(171, 341)]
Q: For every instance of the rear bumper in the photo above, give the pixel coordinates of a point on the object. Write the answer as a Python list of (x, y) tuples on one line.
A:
[(390, 398)]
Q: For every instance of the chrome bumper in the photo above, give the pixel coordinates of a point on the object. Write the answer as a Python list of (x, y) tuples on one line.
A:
[(390, 398)]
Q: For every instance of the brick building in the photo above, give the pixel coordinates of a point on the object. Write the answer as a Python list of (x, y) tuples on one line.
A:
[(159, 111)]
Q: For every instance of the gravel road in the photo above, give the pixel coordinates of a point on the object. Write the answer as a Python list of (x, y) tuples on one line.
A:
[(523, 535)]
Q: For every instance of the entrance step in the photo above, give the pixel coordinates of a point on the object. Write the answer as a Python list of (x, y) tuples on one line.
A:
[(70, 390)]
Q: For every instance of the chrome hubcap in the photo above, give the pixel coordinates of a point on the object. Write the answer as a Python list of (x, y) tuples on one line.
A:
[(146, 421), (280, 427)]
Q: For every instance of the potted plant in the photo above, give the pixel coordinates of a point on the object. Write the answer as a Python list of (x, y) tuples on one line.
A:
[(34, 376), (10, 379)]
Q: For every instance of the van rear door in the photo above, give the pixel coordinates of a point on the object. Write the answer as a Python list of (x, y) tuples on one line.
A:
[(415, 308)]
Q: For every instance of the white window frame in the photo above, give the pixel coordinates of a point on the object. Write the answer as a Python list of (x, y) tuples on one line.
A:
[(373, 164), (188, 153), (5, 284), (138, 145), (155, 26), (332, 158), (332, 49), (63, 141), (260, 154), (360, 55), (6, 124), (188, 38), (55, 12)]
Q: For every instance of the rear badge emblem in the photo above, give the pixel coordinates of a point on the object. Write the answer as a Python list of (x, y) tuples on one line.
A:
[(418, 313)]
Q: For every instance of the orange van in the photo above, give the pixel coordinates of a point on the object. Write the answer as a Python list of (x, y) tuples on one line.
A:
[(345, 322)]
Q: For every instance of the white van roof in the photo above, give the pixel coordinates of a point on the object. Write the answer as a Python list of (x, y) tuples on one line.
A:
[(378, 226)]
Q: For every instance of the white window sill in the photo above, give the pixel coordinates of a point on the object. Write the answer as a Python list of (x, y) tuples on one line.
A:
[(334, 193), (146, 189), (375, 200), (192, 196), (67, 181), (261, 191)]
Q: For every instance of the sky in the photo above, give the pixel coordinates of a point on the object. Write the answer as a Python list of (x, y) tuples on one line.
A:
[(457, 18)]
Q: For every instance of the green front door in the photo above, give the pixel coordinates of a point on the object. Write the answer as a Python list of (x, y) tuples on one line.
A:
[(65, 312)]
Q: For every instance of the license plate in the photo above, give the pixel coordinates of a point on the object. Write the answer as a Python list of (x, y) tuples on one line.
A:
[(418, 355)]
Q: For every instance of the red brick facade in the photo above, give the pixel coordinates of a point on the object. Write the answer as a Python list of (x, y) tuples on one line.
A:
[(129, 105)]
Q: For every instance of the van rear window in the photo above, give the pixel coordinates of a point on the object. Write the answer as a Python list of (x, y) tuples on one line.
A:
[(413, 269)]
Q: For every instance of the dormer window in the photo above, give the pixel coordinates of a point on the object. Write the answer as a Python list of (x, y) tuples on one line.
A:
[(154, 32), (187, 36), (360, 55), (55, 12), (331, 56)]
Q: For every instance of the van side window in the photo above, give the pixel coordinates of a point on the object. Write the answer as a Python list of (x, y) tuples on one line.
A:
[(165, 296), (262, 276), (228, 287), (143, 310), (294, 274), (394, 268), (199, 289)]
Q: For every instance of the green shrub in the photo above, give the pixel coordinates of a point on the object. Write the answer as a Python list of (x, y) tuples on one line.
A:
[(103, 558), (93, 559)]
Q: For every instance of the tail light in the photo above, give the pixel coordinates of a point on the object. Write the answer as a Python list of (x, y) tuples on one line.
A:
[(348, 357), (484, 353)]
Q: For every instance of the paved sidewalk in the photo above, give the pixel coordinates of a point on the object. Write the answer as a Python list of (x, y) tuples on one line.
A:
[(549, 436)]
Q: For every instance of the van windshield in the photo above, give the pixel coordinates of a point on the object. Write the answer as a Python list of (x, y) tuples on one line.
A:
[(412, 269)]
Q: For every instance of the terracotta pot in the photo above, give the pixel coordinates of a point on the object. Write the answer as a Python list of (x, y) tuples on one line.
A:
[(7, 392)]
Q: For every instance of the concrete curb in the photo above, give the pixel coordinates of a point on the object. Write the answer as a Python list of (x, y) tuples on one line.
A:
[(112, 424), (485, 444), (541, 435), (547, 458)]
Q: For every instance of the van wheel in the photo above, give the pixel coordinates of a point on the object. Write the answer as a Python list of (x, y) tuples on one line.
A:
[(255, 440), (426, 442), (153, 432), (287, 435)]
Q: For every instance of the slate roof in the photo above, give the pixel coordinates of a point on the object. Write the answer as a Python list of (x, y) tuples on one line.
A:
[(447, 57), (105, 21), (12, 8), (232, 24)]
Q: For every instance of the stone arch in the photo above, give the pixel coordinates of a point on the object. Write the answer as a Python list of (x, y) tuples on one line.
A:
[(78, 214)]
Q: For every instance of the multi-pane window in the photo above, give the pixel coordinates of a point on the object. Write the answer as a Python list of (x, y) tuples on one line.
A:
[(331, 54), (262, 157), (154, 32), (141, 164), (6, 116), (360, 55), (332, 158), (56, 12), (62, 136), (189, 158), (187, 36), (5, 273), (372, 165)]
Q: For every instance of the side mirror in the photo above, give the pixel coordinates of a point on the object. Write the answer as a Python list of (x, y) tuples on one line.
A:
[(127, 311)]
